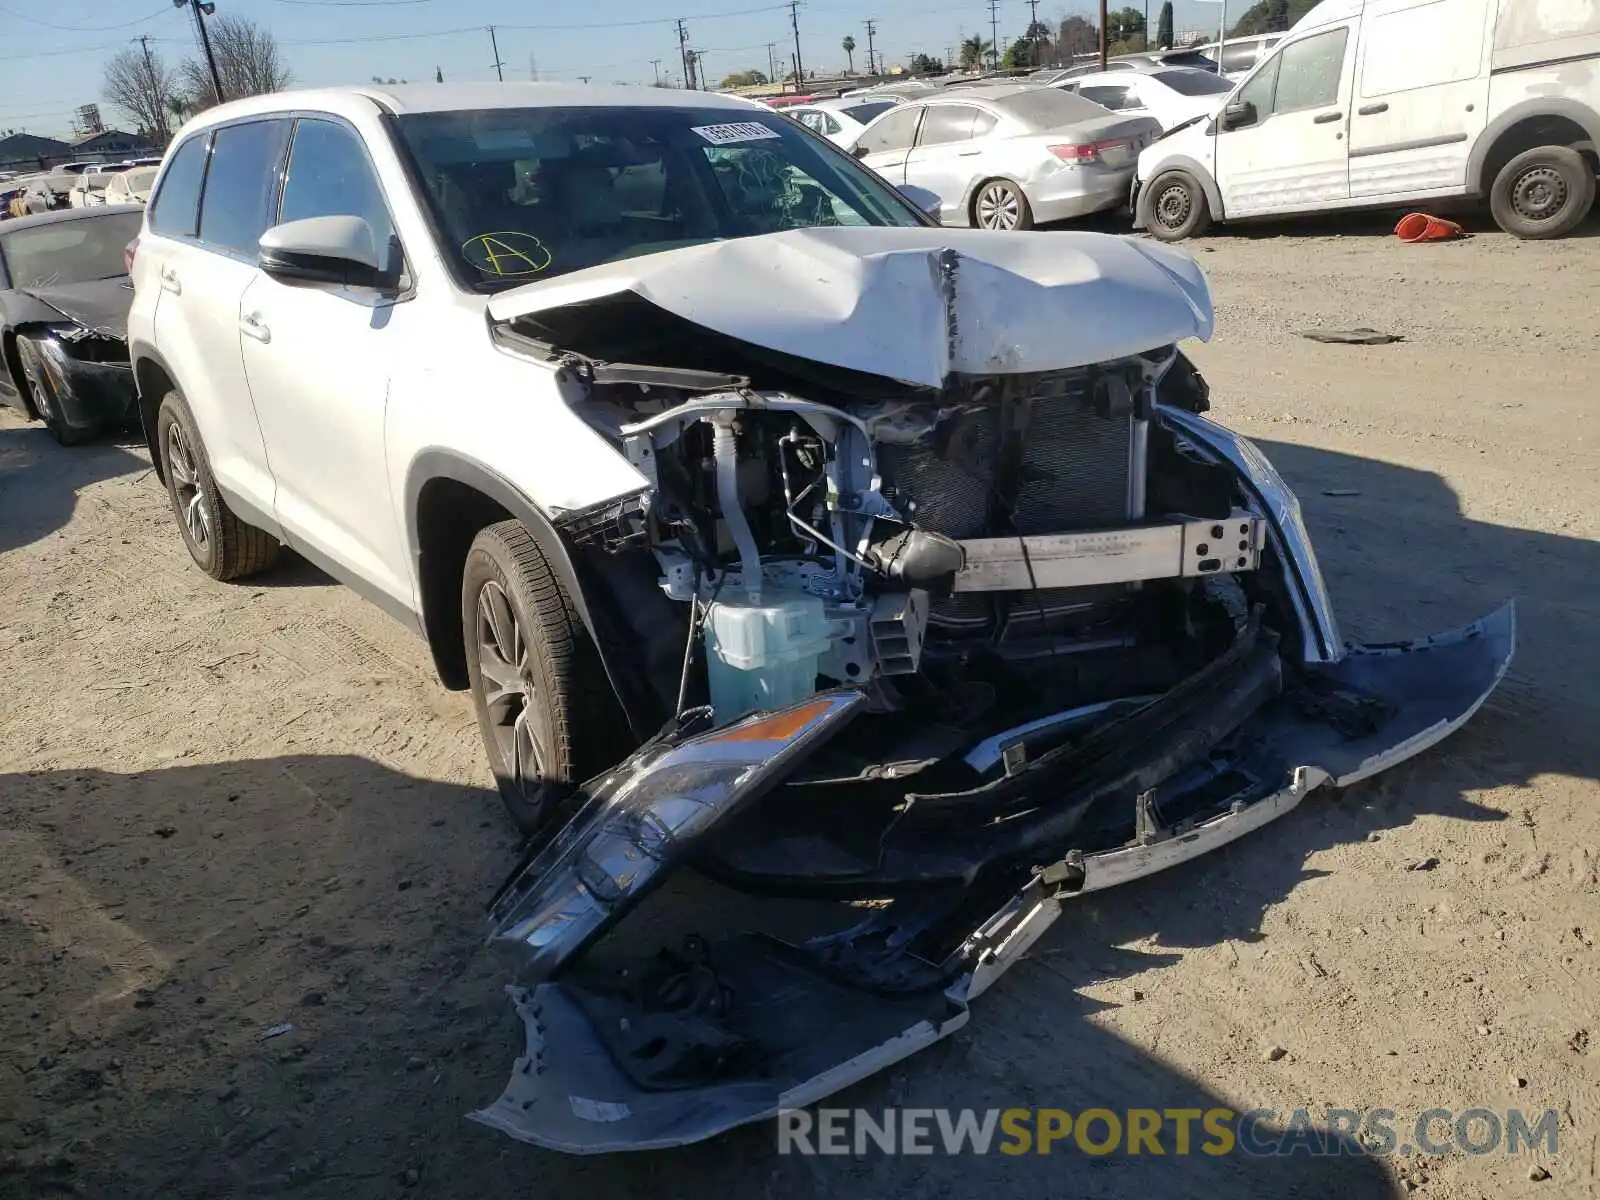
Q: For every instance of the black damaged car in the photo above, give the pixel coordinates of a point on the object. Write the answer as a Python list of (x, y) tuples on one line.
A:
[(64, 299)]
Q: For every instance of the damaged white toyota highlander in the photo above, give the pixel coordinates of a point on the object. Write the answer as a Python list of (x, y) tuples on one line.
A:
[(780, 536)]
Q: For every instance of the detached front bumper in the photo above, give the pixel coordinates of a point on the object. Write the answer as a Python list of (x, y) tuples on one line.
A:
[(724, 1034)]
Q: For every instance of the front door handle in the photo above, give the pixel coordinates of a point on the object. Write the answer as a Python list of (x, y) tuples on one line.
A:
[(968, 153), (1324, 118), (252, 326), (1372, 110), (169, 281)]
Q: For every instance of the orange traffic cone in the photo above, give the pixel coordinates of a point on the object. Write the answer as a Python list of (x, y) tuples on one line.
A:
[(1420, 227)]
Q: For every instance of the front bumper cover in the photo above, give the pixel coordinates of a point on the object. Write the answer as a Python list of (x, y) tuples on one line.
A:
[(735, 1032)]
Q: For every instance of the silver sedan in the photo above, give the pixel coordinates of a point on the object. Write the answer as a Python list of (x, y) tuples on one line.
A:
[(1009, 156)]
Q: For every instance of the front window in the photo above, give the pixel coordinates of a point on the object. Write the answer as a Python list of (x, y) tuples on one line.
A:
[(524, 194), (67, 252)]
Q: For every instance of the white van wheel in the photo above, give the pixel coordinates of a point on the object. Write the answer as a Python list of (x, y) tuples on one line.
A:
[(1542, 193), (1175, 207)]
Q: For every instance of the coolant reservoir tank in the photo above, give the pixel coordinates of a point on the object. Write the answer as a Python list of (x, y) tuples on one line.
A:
[(764, 655)]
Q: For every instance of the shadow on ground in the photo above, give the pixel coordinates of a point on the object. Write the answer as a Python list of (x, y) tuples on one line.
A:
[(156, 926), (40, 480)]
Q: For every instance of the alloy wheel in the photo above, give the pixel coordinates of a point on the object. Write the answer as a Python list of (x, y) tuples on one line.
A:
[(999, 207), (186, 490), (505, 668)]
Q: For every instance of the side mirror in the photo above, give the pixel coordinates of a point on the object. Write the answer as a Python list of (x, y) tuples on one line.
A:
[(858, 150), (333, 250), (1237, 114), (922, 199)]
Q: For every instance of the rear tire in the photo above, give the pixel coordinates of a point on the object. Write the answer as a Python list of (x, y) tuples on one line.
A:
[(538, 687), (1542, 193), (222, 545), (1001, 204), (43, 393), (1175, 207)]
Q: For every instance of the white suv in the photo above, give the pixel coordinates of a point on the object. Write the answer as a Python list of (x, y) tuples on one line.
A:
[(769, 524)]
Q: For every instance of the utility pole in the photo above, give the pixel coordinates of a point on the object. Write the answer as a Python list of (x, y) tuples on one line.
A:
[(1033, 24), (872, 28), (772, 63), (201, 11), (799, 62), (655, 64), (499, 67), (1103, 36), (150, 76), (533, 68), (683, 55), (994, 33)]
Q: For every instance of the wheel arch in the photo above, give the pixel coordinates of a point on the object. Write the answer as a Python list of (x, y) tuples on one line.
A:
[(1542, 121), (13, 365), (1183, 162), (152, 379), (449, 497)]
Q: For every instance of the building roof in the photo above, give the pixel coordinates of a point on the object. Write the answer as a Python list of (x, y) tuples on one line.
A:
[(31, 143)]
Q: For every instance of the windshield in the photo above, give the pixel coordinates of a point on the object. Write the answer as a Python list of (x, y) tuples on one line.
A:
[(531, 193), (1195, 83), (1048, 108), (65, 252)]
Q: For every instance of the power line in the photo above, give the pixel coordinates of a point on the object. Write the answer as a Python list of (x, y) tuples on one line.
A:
[(21, 16)]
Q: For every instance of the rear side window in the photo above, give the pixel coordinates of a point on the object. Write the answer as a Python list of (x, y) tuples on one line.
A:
[(175, 208), (947, 123), (240, 186)]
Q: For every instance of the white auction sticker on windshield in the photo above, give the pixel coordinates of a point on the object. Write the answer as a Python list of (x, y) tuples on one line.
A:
[(739, 131)]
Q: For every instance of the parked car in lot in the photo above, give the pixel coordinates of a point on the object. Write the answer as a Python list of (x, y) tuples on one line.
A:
[(1172, 95), (1154, 60), (1236, 56), (89, 189), (1372, 104), (131, 186), (769, 527), (1008, 156), (64, 298), (841, 121)]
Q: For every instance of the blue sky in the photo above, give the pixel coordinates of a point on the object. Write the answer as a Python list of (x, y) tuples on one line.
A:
[(52, 54)]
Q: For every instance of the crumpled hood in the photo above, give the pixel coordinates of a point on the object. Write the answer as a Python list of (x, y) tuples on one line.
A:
[(101, 304), (915, 305)]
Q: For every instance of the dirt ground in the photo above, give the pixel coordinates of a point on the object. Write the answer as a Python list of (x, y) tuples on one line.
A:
[(224, 808)]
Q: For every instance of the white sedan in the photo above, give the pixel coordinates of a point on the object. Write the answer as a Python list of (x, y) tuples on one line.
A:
[(1171, 95), (841, 121)]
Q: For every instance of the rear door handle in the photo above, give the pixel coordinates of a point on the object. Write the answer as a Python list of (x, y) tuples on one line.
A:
[(169, 281), (252, 326), (1324, 118), (968, 153), (1372, 110)]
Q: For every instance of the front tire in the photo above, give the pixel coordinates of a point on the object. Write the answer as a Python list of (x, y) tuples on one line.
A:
[(1001, 204), (1175, 207), (1542, 193), (43, 394), (538, 687), (222, 545)]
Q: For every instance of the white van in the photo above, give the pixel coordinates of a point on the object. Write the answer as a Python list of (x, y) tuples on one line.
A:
[(1389, 103)]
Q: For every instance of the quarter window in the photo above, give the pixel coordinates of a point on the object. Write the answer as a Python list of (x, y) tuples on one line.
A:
[(175, 208), (240, 185)]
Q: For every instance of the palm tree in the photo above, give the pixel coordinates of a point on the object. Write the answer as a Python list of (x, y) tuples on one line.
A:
[(974, 50), (849, 45)]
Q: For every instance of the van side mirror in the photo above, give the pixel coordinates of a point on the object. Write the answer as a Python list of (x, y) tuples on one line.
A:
[(1238, 114), (858, 150)]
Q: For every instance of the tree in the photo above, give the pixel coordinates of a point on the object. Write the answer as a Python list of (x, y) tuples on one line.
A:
[(1270, 16), (924, 64), (738, 79), (1124, 24), (849, 46), (143, 87), (1078, 36), (973, 51), (248, 62), (1164, 26)]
